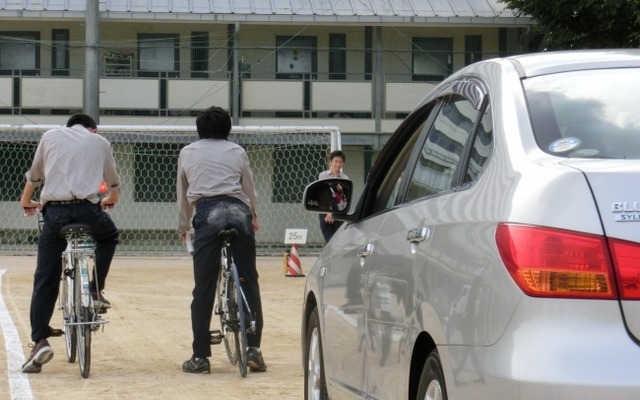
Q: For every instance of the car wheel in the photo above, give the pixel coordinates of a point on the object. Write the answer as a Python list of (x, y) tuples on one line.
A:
[(432, 385), (315, 386)]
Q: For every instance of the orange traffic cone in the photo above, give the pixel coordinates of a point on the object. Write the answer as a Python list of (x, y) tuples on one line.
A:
[(294, 268)]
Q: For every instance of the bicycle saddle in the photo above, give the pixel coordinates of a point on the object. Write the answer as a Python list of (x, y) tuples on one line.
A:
[(227, 234), (75, 229)]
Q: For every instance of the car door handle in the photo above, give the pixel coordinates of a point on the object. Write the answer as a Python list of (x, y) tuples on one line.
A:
[(418, 235), (415, 236), (365, 250)]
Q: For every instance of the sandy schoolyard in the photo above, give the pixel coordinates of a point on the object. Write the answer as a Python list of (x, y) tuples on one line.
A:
[(140, 352)]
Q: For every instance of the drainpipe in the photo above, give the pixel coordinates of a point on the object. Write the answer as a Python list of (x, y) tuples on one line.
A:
[(377, 107), (235, 96), (92, 66)]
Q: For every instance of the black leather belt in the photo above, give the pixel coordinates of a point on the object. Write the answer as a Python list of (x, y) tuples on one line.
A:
[(67, 202), (207, 199)]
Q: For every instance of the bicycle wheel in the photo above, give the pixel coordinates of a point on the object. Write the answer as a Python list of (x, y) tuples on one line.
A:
[(229, 336), (235, 297), (68, 312), (85, 317)]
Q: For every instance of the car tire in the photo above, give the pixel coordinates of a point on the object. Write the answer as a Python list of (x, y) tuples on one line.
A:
[(315, 386), (431, 386)]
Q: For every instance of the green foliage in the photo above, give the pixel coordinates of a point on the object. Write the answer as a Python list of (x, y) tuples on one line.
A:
[(578, 24)]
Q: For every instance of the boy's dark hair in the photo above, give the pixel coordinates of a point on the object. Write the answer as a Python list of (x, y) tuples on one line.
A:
[(337, 153), (82, 119), (213, 123)]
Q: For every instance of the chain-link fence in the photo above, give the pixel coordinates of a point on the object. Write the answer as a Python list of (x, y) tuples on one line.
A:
[(283, 159)]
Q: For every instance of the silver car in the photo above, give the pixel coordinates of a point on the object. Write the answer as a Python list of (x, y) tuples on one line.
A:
[(495, 250)]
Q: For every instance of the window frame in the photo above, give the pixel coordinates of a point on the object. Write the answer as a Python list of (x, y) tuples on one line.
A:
[(287, 43), (200, 54), (337, 56), (428, 46), (60, 52), (28, 38), (154, 73)]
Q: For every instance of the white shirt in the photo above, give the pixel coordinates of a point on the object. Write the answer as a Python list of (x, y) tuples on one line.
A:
[(72, 162), (212, 167)]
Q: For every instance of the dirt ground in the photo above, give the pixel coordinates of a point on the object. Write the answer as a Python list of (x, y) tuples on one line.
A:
[(140, 352)]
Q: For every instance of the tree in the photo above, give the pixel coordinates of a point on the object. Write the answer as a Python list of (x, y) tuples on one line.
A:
[(578, 24)]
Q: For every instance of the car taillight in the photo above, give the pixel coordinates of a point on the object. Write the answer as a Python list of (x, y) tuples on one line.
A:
[(547, 262), (626, 261)]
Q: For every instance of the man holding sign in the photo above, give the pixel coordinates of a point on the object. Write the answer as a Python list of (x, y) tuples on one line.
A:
[(328, 225)]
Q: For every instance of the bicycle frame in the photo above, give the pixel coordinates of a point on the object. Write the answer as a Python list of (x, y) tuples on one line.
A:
[(80, 316), (80, 249), (77, 248)]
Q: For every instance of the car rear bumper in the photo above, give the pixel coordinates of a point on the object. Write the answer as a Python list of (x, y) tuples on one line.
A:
[(552, 349)]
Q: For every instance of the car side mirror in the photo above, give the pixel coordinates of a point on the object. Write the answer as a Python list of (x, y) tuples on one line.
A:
[(328, 196)]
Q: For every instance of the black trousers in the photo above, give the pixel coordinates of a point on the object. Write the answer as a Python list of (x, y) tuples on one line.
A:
[(46, 283), (328, 230), (212, 216)]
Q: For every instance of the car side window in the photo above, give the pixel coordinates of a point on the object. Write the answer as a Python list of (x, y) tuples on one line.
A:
[(443, 149), (390, 188), (389, 173), (482, 147)]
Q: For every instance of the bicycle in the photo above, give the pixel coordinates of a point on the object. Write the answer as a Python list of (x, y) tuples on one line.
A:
[(80, 314), (236, 318)]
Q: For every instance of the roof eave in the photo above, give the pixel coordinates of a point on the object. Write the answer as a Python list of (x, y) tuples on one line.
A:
[(275, 18)]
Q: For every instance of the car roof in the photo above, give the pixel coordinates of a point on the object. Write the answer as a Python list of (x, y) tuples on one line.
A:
[(535, 64)]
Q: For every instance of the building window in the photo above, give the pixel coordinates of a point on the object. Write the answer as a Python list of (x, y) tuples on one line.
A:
[(337, 56), (19, 53), (199, 54), (292, 171), (156, 171), (368, 53), (297, 56), (472, 49), (432, 58), (158, 55), (60, 52)]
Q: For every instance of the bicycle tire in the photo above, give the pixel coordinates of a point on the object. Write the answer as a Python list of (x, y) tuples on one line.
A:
[(229, 336), (67, 293), (235, 297), (85, 317)]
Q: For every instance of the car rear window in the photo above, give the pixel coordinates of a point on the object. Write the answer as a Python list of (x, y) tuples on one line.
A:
[(586, 114)]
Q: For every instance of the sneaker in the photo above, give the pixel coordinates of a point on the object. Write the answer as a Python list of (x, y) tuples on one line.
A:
[(196, 365), (100, 302), (255, 361), (41, 354)]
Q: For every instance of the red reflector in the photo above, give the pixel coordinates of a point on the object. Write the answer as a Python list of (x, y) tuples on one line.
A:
[(546, 262), (626, 259), (103, 188)]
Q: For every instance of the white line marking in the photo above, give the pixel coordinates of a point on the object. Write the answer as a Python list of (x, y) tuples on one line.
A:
[(19, 387)]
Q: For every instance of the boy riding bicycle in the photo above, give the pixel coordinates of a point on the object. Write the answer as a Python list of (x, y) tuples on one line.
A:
[(215, 178)]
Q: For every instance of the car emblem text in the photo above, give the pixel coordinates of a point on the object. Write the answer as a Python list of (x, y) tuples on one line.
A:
[(626, 211)]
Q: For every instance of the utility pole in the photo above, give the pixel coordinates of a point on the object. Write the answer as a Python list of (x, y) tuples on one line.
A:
[(235, 106), (91, 103)]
